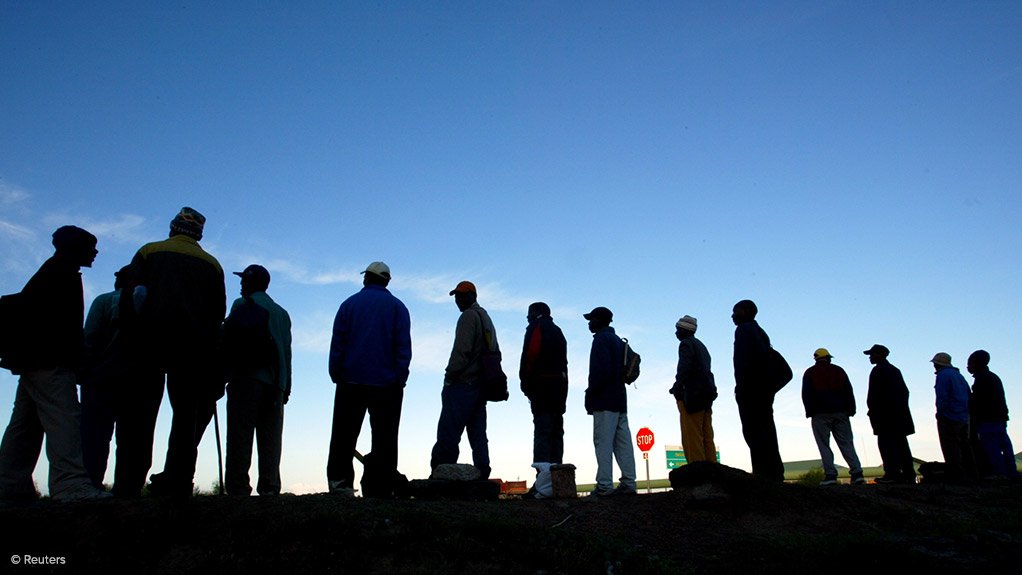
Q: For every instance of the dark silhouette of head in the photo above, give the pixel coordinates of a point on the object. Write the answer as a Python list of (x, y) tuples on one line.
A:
[(979, 360), (538, 310), (877, 353), (599, 318), (254, 279), (121, 277), (75, 245), (188, 222), (744, 311)]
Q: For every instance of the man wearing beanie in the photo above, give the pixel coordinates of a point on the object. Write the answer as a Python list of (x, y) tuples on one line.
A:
[(178, 326), (952, 393), (990, 416), (694, 390), (544, 376), (48, 316)]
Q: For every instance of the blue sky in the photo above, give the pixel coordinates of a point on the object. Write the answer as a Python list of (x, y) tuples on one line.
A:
[(852, 167)]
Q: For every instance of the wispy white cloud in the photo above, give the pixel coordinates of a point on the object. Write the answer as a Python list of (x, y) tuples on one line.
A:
[(437, 288), (312, 333), (431, 348), (16, 232), (300, 273), (10, 194)]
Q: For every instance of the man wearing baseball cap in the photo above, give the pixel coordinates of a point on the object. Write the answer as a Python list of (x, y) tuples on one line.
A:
[(463, 403), (257, 341), (890, 417), (829, 402), (607, 401), (370, 352)]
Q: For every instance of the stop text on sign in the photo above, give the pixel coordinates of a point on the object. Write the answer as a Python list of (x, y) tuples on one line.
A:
[(644, 439)]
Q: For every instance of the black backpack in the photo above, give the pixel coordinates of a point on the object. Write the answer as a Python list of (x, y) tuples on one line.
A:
[(12, 324), (247, 343), (630, 367)]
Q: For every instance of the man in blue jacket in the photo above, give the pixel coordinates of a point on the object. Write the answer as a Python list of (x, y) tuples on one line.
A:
[(370, 353), (952, 393), (607, 402), (754, 392)]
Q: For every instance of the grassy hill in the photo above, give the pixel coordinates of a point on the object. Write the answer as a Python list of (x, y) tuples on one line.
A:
[(724, 527)]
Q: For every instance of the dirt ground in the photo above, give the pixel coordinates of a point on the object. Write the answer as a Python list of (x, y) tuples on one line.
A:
[(730, 525)]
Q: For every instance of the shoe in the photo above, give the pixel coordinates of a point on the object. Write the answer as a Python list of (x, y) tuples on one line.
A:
[(622, 490), (341, 489), (84, 492), (602, 493), (885, 480), (858, 480), (828, 481), (160, 486)]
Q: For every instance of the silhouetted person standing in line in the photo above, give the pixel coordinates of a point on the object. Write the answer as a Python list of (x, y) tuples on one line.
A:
[(607, 402), (257, 356), (694, 391), (754, 392), (830, 402), (463, 402), (890, 417), (46, 353), (952, 393), (990, 416), (544, 376), (370, 354), (98, 384), (108, 389), (184, 304)]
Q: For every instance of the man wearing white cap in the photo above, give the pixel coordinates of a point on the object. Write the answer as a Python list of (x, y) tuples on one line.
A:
[(952, 393), (370, 353)]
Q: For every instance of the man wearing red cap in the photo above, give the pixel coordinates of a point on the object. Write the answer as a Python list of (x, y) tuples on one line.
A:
[(464, 405)]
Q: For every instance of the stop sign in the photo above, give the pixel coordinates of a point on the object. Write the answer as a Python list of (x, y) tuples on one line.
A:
[(644, 439)]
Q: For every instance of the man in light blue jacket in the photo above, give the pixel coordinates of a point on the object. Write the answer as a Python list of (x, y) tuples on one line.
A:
[(260, 383), (952, 393)]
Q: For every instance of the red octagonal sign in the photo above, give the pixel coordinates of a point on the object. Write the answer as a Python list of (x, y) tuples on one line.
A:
[(644, 439)]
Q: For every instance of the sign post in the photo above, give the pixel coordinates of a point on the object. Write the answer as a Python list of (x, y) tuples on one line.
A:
[(644, 439)]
